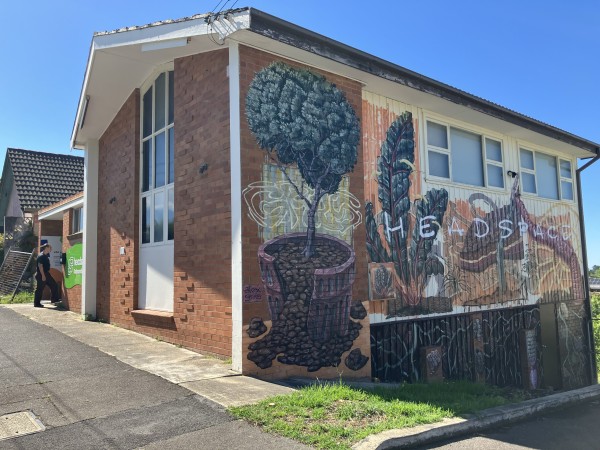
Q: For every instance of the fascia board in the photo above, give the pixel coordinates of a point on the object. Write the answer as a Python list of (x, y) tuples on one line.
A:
[(51, 212)]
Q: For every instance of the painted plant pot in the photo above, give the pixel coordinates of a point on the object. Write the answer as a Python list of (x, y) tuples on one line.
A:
[(331, 293)]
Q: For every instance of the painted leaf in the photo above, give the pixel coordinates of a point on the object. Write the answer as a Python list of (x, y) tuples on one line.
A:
[(395, 166), (428, 219), (375, 248)]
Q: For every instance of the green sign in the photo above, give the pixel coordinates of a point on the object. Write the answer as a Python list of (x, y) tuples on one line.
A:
[(74, 266)]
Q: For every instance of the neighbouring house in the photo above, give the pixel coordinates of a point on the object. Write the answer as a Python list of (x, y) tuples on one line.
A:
[(262, 192), (61, 225), (33, 180), (594, 284)]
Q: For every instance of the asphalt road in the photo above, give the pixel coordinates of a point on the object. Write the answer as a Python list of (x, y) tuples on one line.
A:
[(89, 400), (573, 428)]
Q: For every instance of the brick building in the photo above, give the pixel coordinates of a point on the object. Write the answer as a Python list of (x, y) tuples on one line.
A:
[(61, 225), (33, 180), (261, 192)]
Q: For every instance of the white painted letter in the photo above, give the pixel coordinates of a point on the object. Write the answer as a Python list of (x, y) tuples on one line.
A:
[(565, 235), (478, 233), (550, 235), (455, 228), (389, 230), (523, 227), (508, 230), (423, 226), (537, 231)]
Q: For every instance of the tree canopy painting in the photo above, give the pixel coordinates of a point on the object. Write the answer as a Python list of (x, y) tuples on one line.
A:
[(300, 119)]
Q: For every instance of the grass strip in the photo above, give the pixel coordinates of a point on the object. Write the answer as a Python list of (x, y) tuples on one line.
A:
[(20, 297), (335, 416)]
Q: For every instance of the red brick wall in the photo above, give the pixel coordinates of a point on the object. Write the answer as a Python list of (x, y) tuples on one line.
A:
[(50, 228), (201, 316), (253, 158), (203, 202), (118, 177)]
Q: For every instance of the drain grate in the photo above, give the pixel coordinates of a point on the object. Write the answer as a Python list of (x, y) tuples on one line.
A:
[(19, 424)]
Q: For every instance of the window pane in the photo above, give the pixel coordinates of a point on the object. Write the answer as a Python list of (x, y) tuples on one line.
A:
[(436, 135), (565, 169), (81, 220), (528, 181), (493, 150), (438, 165), (526, 159), (171, 218), (495, 176), (146, 165), (159, 206), (467, 160), (147, 111), (171, 156), (145, 221), (159, 160), (566, 188), (171, 92), (547, 177), (159, 103)]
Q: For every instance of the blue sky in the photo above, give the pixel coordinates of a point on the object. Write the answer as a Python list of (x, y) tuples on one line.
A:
[(540, 58)]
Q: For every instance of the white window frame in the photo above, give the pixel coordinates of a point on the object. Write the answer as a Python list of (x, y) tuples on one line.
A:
[(77, 220), (558, 157), (483, 134), (562, 180), (167, 188)]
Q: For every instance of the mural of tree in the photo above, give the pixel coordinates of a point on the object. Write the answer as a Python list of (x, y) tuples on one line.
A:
[(310, 132), (299, 118), (413, 259)]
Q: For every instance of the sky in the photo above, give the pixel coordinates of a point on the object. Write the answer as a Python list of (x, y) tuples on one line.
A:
[(540, 58)]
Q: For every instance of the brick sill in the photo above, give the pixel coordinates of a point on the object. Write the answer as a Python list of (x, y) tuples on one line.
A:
[(152, 314), (78, 235)]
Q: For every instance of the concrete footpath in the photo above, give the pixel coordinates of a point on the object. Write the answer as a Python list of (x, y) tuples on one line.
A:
[(57, 391), (207, 376), (212, 379)]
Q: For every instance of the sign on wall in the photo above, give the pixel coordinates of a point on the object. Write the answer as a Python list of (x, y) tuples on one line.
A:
[(74, 266), (56, 253)]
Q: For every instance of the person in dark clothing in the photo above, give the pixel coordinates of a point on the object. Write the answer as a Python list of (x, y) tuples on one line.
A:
[(43, 277)]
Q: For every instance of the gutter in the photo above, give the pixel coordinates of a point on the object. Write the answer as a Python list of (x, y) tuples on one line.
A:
[(586, 276)]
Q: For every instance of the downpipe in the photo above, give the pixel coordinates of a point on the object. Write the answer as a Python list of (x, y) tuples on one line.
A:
[(586, 280)]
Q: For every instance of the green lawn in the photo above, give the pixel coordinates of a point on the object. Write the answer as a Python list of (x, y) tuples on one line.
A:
[(21, 297), (335, 416)]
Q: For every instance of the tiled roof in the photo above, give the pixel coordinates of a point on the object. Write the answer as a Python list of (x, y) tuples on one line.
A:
[(42, 179)]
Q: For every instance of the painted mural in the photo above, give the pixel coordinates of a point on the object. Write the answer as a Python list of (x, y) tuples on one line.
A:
[(449, 249), (463, 273), (306, 215), (481, 347)]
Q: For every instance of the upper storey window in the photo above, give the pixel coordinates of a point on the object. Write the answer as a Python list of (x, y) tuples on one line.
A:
[(158, 157), (464, 157), (545, 175)]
